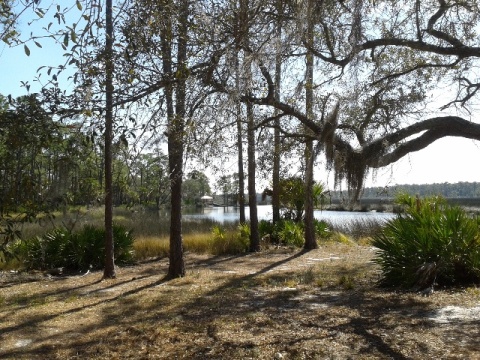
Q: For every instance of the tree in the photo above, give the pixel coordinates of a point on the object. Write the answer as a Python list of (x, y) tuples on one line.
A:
[(150, 178), (109, 271), (26, 131), (279, 7), (310, 241), (194, 187), (224, 184), (293, 198), (176, 122), (239, 38), (373, 109)]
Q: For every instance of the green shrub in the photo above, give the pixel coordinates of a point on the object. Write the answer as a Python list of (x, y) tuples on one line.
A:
[(74, 250), (244, 235), (87, 248), (322, 229), (265, 227), (45, 252), (230, 241), (430, 242), (291, 233), (123, 245)]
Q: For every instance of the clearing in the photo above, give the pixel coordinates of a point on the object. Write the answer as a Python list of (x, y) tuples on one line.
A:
[(277, 304)]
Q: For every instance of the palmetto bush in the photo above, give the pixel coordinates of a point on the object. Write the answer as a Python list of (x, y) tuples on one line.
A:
[(291, 233), (80, 250), (431, 242)]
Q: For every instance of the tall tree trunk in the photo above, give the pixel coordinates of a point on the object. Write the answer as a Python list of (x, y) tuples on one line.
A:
[(310, 241), (242, 41), (175, 135), (276, 138), (252, 193), (239, 28), (241, 173), (109, 271)]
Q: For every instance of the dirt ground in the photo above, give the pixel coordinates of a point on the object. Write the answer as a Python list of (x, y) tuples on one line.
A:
[(278, 304)]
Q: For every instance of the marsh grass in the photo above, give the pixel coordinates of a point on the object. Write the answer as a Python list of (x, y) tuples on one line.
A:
[(142, 222), (147, 247), (215, 241), (360, 228), (203, 236)]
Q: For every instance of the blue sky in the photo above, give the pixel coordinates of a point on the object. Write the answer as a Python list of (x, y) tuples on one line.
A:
[(447, 160)]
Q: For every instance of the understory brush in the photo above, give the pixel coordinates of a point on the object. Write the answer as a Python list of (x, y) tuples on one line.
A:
[(72, 250), (431, 243)]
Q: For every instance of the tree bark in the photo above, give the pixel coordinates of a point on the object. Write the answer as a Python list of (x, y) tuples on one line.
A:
[(276, 135), (310, 241), (238, 106), (176, 130), (252, 193), (109, 271)]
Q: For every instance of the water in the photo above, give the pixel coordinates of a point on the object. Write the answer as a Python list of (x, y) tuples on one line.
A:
[(231, 214)]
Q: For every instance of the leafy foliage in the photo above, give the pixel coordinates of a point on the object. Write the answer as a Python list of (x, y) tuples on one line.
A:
[(322, 229), (228, 241), (430, 243), (292, 197), (73, 250), (291, 233)]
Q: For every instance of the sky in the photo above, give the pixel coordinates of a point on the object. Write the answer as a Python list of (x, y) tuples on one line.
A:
[(447, 160)]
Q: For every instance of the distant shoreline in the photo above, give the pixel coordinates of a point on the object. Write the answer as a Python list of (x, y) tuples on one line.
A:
[(388, 205)]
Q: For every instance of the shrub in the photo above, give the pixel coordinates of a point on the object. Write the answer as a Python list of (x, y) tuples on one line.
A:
[(265, 227), (322, 229), (431, 242), (45, 252), (291, 233), (244, 235), (230, 241), (74, 250)]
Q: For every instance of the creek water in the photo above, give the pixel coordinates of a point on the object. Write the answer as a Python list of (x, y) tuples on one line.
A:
[(231, 214)]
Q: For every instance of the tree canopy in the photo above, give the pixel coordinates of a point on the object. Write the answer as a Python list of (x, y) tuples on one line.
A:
[(348, 80)]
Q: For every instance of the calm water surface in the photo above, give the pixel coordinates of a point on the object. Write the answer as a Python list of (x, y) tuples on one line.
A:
[(231, 214)]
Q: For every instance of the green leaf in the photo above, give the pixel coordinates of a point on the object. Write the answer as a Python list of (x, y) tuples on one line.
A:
[(65, 39), (79, 5), (38, 44), (27, 50)]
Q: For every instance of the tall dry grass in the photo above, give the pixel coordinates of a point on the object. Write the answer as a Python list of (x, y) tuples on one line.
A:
[(151, 230)]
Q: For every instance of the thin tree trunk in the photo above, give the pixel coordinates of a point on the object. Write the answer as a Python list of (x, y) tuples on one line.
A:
[(175, 141), (241, 173), (242, 41), (252, 193), (310, 241), (276, 139), (109, 271), (239, 28)]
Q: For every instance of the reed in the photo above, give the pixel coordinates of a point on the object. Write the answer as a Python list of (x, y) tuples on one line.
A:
[(147, 247)]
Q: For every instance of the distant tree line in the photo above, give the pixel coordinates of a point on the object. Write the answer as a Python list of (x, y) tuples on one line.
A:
[(456, 190), (45, 164)]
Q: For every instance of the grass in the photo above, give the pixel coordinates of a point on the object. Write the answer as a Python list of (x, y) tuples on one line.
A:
[(151, 232), (297, 304), (147, 247)]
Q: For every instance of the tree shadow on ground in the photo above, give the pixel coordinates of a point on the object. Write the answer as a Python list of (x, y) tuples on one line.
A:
[(237, 317)]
